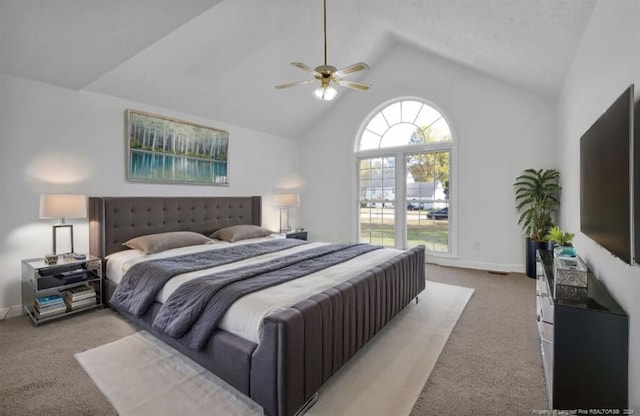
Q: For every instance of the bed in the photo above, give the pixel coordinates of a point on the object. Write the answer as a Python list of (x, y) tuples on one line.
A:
[(301, 345)]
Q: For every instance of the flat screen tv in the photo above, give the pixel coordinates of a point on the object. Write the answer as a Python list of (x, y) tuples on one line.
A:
[(606, 169)]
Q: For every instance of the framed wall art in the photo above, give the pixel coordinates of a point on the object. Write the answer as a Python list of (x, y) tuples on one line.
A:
[(167, 150)]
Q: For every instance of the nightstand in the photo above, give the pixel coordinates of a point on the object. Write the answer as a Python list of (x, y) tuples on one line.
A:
[(51, 291), (299, 235)]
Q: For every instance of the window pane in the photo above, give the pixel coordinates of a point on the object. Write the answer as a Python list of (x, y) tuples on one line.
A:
[(377, 200), (437, 132), (427, 200), (378, 125), (392, 114), (427, 116), (410, 111), (369, 140), (398, 135)]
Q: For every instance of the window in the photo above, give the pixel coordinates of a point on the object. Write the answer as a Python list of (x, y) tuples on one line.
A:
[(404, 155)]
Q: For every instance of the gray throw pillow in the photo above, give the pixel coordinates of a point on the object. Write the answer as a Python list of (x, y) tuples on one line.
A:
[(240, 232), (155, 243)]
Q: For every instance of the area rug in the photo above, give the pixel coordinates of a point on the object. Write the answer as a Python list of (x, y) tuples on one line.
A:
[(140, 375)]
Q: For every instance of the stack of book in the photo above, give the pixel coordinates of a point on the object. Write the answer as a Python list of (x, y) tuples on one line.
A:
[(46, 306), (80, 297)]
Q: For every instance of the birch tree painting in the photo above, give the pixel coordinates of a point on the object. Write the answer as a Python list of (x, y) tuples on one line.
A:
[(168, 150)]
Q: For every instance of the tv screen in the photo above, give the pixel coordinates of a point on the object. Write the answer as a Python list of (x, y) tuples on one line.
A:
[(605, 179)]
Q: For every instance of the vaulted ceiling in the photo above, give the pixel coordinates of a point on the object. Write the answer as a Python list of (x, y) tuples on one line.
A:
[(221, 59)]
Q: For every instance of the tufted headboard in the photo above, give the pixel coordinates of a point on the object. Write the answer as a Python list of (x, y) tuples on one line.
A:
[(114, 220)]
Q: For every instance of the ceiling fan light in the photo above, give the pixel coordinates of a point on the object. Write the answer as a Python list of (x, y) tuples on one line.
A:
[(325, 93)]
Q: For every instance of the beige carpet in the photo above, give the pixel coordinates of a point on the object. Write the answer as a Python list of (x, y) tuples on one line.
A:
[(491, 364), (384, 378)]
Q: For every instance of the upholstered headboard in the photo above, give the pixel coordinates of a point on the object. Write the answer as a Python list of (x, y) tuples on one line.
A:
[(114, 220)]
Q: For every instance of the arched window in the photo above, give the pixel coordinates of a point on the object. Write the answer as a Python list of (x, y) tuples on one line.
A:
[(404, 155)]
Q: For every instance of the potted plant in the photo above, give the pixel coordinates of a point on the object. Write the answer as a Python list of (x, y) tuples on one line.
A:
[(563, 239), (537, 194)]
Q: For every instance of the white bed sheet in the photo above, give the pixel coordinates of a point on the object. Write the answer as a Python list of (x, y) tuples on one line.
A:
[(244, 318)]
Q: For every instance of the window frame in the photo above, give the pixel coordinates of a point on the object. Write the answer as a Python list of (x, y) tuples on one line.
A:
[(400, 153)]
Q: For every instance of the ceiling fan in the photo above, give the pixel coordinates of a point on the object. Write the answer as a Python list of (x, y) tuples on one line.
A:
[(328, 74)]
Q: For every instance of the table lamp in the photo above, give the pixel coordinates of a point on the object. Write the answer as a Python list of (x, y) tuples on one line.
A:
[(63, 206), (285, 201)]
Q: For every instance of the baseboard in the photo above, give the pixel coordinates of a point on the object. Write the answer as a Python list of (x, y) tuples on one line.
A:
[(492, 267), (10, 312)]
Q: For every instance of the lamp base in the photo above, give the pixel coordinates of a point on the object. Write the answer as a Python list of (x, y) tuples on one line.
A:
[(284, 220), (62, 239)]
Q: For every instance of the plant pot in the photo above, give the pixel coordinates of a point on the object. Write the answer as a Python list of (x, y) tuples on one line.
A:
[(532, 246)]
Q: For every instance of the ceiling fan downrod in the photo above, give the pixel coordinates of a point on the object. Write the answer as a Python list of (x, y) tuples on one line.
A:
[(328, 74)]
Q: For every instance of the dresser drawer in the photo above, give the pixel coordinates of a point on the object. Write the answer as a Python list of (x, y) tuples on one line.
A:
[(547, 364), (544, 302), (546, 309), (541, 286), (546, 331)]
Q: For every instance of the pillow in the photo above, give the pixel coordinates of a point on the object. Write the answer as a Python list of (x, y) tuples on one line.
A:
[(240, 232), (155, 243)]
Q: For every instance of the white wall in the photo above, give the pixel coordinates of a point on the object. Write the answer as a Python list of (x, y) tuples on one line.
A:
[(501, 130), (607, 61), (56, 140)]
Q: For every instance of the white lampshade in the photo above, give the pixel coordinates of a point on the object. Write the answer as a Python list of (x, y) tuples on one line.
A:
[(286, 200), (63, 206)]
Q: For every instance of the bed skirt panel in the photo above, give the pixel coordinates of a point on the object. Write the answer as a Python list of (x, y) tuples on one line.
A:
[(304, 345)]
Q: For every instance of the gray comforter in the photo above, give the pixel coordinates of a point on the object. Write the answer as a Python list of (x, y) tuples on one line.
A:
[(143, 281), (193, 311)]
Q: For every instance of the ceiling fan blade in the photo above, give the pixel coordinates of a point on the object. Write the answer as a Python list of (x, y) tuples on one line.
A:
[(305, 67), (295, 84), (351, 69), (352, 84)]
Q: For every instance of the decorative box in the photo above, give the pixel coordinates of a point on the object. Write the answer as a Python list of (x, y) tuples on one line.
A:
[(51, 258), (564, 251), (570, 278)]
